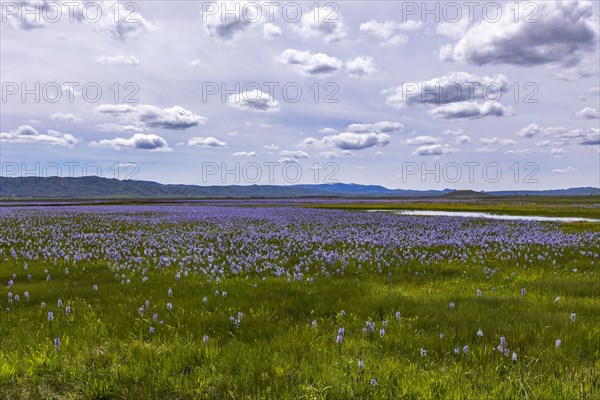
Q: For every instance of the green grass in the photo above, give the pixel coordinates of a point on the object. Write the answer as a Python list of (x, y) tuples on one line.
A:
[(551, 206), (107, 351)]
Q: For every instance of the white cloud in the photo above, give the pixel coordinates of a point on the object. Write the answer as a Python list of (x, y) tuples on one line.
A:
[(497, 140), (327, 131), (454, 132), (336, 153), (470, 110), (562, 136), (560, 33), (462, 139), (291, 155), (271, 147), (195, 63), (244, 154), (557, 152), (454, 87), (140, 141), (206, 142), (227, 20), (349, 141), (121, 22), (322, 23), (453, 96), (434, 150), (130, 60), (565, 170), (271, 31), (422, 140), (361, 67), (519, 152), (377, 127), (309, 64), (390, 33), (253, 100), (176, 117), (27, 134), (588, 113), (65, 117)]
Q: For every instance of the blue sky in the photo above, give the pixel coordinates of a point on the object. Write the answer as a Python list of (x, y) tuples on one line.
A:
[(480, 95)]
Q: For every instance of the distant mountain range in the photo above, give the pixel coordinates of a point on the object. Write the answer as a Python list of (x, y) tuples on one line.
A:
[(97, 187)]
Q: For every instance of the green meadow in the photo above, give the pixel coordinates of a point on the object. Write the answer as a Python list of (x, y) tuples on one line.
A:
[(520, 327)]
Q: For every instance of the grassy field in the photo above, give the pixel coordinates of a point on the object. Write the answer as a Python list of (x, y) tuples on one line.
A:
[(275, 303), (551, 206)]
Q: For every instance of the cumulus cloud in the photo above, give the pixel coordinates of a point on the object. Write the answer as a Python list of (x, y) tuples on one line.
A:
[(349, 141), (361, 67), (292, 155), (65, 117), (470, 110), (562, 136), (310, 64), (497, 140), (322, 23), (390, 33), (130, 60), (557, 34), (434, 150), (422, 140), (519, 152), (244, 154), (27, 134), (176, 117), (208, 141), (557, 152), (454, 132), (565, 170), (140, 141), (227, 20), (452, 88), (120, 21), (588, 113), (377, 127), (20, 20), (453, 96), (336, 153), (271, 31), (253, 100), (271, 147), (462, 139)]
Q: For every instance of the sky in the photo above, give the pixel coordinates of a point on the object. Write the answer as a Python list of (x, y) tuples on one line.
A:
[(411, 95)]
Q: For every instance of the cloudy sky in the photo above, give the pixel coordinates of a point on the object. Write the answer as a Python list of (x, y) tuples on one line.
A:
[(482, 95)]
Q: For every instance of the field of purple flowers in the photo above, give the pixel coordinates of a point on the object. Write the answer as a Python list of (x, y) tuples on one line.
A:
[(193, 301)]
